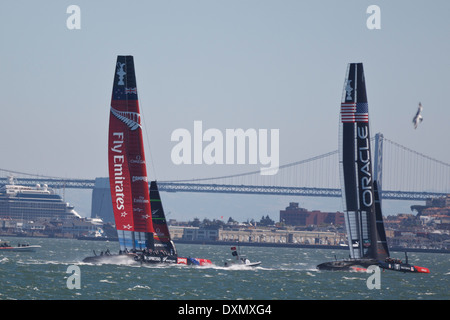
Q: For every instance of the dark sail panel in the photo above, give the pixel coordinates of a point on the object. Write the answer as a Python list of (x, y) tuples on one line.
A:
[(382, 249), (162, 234), (347, 146), (364, 167)]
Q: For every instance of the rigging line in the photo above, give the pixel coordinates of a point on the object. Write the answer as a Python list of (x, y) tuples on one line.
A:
[(148, 141), (417, 153), (258, 171)]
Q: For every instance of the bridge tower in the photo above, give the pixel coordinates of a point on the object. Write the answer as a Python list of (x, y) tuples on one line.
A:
[(101, 205), (378, 160)]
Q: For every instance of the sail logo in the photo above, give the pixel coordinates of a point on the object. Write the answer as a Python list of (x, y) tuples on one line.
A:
[(159, 233), (364, 166), (348, 90), (228, 148), (121, 73), (131, 119), (140, 178), (138, 160), (117, 162), (141, 199), (131, 90)]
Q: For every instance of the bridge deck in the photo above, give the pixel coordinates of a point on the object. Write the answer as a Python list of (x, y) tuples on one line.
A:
[(228, 188)]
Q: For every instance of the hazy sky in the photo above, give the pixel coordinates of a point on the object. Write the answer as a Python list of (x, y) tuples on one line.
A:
[(231, 64)]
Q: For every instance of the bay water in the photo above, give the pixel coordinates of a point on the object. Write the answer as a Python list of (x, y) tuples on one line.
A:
[(285, 274)]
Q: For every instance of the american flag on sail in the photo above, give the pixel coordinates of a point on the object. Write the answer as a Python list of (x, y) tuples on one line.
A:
[(362, 112), (348, 112), (355, 112)]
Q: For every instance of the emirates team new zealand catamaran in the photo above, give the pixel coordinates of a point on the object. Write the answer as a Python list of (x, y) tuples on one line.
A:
[(360, 189), (139, 215)]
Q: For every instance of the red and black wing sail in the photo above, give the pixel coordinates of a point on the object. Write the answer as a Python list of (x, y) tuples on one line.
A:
[(126, 158)]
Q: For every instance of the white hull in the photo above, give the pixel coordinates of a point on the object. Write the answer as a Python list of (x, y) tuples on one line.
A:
[(19, 249), (244, 263)]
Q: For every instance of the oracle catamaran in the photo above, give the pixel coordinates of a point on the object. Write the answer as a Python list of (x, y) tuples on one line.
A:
[(142, 232), (360, 189)]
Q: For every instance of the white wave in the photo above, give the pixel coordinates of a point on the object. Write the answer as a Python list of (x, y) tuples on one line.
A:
[(351, 278), (107, 281), (139, 287)]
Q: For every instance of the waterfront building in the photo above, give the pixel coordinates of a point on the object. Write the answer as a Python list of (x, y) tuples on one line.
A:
[(196, 233), (296, 216)]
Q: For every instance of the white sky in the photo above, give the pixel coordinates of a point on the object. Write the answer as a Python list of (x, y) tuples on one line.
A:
[(232, 64)]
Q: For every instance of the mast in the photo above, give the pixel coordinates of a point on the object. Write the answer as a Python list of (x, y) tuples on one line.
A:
[(126, 159)]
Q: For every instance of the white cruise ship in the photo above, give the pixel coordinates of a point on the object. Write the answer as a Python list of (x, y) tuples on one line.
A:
[(33, 203)]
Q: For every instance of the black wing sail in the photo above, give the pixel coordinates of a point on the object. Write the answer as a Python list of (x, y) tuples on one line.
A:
[(347, 160), (356, 165)]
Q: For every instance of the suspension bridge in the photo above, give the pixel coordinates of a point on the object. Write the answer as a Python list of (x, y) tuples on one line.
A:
[(406, 175)]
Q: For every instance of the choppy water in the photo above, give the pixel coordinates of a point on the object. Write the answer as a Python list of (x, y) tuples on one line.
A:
[(285, 274)]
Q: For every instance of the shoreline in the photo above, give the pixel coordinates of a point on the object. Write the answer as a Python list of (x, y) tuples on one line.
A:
[(296, 245), (246, 244)]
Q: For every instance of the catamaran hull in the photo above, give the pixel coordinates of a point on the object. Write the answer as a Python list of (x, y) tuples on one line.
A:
[(136, 258), (403, 267), (250, 264), (347, 265), (111, 259), (362, 265)]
